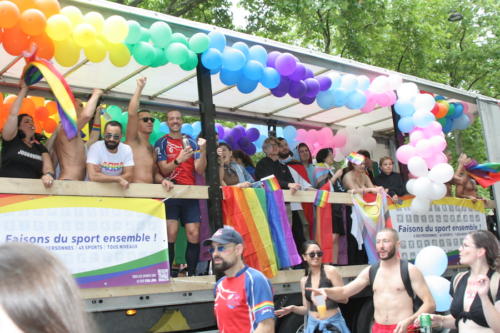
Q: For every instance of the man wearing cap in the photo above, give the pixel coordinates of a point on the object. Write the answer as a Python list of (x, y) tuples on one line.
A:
[(243, 297)]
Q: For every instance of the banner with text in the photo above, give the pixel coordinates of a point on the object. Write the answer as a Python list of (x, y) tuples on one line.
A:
[(104, 242), (445, 225)]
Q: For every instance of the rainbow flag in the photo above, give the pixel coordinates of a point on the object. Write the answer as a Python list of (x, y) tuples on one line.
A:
[(34, 71), (485, 174), (321, 198), (271, 183), (323, 230), (355, 158)]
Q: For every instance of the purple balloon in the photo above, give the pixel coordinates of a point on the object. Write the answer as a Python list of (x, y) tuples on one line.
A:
[(299, 72), (220, 131), (312, 87), (297, 89), (309, 73), (237, 133), (282, 89), (250, 149), (324, 82), (307, 100), (253, 134), (244, 142), (271, 58), (286, 64), (227, 134)]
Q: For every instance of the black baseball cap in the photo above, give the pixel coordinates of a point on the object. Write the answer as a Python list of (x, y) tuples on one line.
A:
[(224, 236)]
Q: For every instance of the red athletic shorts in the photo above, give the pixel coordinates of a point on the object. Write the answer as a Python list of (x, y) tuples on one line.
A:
[(379, 328)]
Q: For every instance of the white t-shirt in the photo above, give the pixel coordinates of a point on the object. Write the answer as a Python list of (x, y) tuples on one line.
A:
[(111, 164)]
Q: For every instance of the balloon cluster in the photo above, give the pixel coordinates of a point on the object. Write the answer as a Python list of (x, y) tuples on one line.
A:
[(24, 23), (452, 115), (43, 112), (381, 92), (414, 108), (239, 137), (239, 64), (432, 261), (158, 45)]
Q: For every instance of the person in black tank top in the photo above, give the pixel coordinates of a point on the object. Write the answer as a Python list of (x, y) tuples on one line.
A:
[(317, 276)]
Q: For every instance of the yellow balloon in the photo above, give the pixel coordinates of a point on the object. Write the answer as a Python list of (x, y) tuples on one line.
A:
[(95, 52), (115, 29), (84, 35), (119, 55), (74, 14), (96, 20), (67, 53), (58, 27)]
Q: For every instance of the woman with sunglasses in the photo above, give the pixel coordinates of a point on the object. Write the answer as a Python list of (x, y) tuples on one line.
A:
[(318, 276)]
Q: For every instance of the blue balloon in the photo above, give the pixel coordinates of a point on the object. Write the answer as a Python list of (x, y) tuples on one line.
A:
[(439, 98), (325, 99), (448, 126), (228, 77), (461, 122), (243, 47), (336, 81), (459, 110), (164, 128), (406, 124), (404, 109), (253, 70), (423, 119), (246, 85), (306, 100), (211, 59), (233, 59), (356, 100), (260, 142), (258, 53), (340, 97), (196, 129), (270, 78), (217, 40), (289, 133), (187, 129), (215, 70)]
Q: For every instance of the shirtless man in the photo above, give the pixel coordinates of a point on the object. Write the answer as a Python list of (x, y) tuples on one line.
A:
[(139, 128), (393, 306), (71, 153)]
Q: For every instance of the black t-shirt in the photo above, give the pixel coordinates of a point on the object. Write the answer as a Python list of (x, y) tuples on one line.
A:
[(393, 182), (21, 161), (267, 167)]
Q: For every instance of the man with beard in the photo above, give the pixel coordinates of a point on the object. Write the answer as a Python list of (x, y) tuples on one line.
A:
[(393, 305), (108, 160), (243, 297)]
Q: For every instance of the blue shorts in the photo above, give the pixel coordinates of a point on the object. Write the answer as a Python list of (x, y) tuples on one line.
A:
[(183, 210), (337, 321)]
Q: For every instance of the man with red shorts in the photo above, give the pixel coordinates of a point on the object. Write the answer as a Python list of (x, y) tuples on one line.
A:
[(393, 305)]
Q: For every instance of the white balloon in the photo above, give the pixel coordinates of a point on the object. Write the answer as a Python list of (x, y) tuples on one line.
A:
[(380, 84), (418, 166), (438, 143), (424, 102), (421, 188), (410, 186), (420, 206), (338, 156), (349, 82), (437, 191), (369, 143), (365, 132), (441, 173), (432, 260), (407, 91), (423, 148), (395, 81)]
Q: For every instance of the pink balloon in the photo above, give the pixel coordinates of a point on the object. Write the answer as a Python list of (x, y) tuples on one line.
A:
[(301, 135), (466, 107), (432, 129), (404, 153), (339, 140), (436, 159), (438, 143), (325, 134), (416, 136), (423, 148)]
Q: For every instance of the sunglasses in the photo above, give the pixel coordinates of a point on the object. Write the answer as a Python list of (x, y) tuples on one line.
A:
[(220, 248), (148, 119), (318, 254), (110, 136)]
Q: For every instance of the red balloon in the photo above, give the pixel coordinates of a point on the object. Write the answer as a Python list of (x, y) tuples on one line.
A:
[(41, 114), (15, 41), (49, 125), (45, 46)]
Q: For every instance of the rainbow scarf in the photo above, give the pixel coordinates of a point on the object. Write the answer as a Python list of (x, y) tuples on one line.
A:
[(485, 174), (323, 231), (271, 183), (321, 198), (355, 158), (34, 71)]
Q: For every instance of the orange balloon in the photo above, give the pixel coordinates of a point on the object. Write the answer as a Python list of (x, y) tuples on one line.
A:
[(9, 14), (38, 127), (24, 4), (38, 101), (1, 98), (15, 41), (27, 107), (48, 7), (33, 22), (49, 125), (442, 111), (9, 99), (45, 46), (52, 107), (41, 114), (1, 35)]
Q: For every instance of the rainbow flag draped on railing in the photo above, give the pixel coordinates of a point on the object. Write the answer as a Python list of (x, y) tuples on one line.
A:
[(34, 71), (485, 174), (323, 231)]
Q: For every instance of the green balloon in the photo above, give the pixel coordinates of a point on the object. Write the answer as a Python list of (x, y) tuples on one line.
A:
[(199, 42), (160, 34), (155, 135), (442, 121), (191, 62), (134, 32), (177, 53), (451, 110), (114, 112), (179, 38), (144, 53), (159, 59), (145, 36)]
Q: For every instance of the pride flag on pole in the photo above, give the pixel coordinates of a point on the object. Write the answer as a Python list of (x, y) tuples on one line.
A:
[(323, 230), (485, 174)]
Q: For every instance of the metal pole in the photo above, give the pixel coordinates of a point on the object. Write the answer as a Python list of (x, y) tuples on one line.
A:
[(207, 115)]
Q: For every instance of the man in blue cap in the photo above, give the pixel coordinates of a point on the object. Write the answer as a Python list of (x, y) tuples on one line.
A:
[(243, 297)]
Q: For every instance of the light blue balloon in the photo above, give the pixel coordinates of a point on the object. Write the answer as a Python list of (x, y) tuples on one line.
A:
[(406, 124), (196, 128), (228, 77), (404, 109), (461, 122), (246, 85), (253, 70), (212, 59), (217, 40), (233, 59), (439, 288), (459, 110), (187, 129), (340, 97), (258, 53), (363, 82), (243, 47), (423, 119), (356, 100), (325, 99), (289, 133), (260, 142), (270, 78), (164, 128), (336, 82)]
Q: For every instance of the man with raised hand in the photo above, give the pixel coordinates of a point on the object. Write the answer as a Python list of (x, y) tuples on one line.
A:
[(179, 157), (393, 305), (109, 160), (139, 128), (71, 153)]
